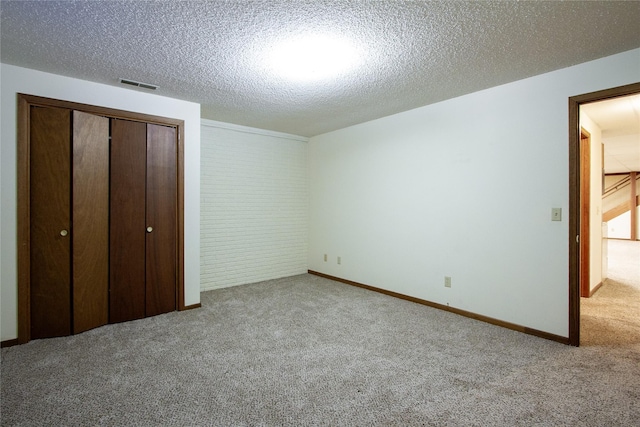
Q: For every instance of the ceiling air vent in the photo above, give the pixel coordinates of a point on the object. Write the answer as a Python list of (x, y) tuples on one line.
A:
[(138, 84)]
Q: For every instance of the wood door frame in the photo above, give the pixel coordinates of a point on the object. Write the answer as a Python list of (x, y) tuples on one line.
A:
[(633, 196), (585, 213), (23, 195), (574, 197)]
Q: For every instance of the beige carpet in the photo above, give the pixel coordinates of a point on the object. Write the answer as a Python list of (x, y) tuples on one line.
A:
[(307, 351), (611, 317)]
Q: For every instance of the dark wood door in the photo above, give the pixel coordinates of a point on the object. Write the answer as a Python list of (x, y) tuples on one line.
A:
[(103, 221), (90, 212), (50, 222), (127, 218), (161, 214), (68, 171), (143, 241)]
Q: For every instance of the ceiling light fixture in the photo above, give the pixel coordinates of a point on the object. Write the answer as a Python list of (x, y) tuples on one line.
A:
[(313, 58)]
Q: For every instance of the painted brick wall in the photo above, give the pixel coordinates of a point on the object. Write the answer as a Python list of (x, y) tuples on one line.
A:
[(254, 205)]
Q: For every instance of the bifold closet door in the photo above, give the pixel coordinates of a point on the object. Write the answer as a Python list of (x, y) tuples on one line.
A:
[(50, 221), (161, 210), (90, 212), (128, 219), (69, 199), (143, 240)]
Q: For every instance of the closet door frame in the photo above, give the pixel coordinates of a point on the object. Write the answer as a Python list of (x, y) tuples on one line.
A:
[(25, 102)]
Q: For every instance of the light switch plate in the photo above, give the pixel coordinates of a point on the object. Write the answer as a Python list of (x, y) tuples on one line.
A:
[(556, 214), (447, 281)]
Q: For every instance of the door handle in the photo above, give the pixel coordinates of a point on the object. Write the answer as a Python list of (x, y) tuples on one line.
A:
[(149, 229), (63, 233)]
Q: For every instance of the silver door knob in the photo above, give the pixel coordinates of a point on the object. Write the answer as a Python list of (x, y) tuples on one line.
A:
[(149, 229), (63, 233)]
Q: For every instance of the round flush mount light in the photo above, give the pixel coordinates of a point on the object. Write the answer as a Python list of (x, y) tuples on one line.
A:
[(313, 58)]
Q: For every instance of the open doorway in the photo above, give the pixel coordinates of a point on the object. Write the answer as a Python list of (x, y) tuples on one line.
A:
[(577, 231)]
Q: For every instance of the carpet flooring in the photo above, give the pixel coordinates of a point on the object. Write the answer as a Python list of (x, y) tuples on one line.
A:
[(612, 315), (307, 351)]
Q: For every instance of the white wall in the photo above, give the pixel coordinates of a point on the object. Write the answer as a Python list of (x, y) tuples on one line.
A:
[(595, 213), (410, 198), (21, 80), (620, 226), (254, 201)]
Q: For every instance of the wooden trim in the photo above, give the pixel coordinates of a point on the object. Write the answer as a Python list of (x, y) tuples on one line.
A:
[(595, 289), (616, 186), (9, 343), (622, 174), (634, 212), (180, 217), (602, 95), (585, 212), (574, 199), (102, 111), (624, 206), (615, 211), (25, 101), (189, 307), (602, 174), (469, 314), (24, 221), (574, 222)]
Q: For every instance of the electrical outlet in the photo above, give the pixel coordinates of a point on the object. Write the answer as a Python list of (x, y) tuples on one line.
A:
[(325, 257), (556, 214), (447, 281), (339, 260)]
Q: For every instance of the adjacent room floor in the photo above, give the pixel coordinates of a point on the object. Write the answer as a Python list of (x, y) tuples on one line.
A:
[(612, 315)]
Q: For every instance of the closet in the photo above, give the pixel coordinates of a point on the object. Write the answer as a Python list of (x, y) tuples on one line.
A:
[(143, 218), (101, 233), (69, 183)]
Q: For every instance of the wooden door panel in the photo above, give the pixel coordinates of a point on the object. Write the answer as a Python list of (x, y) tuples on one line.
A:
[(50, 193), (585, 214), (161, 216), (127, 220), (90, 212)]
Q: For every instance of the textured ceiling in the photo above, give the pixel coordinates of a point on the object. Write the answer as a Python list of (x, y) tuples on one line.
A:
[(216, 53)]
